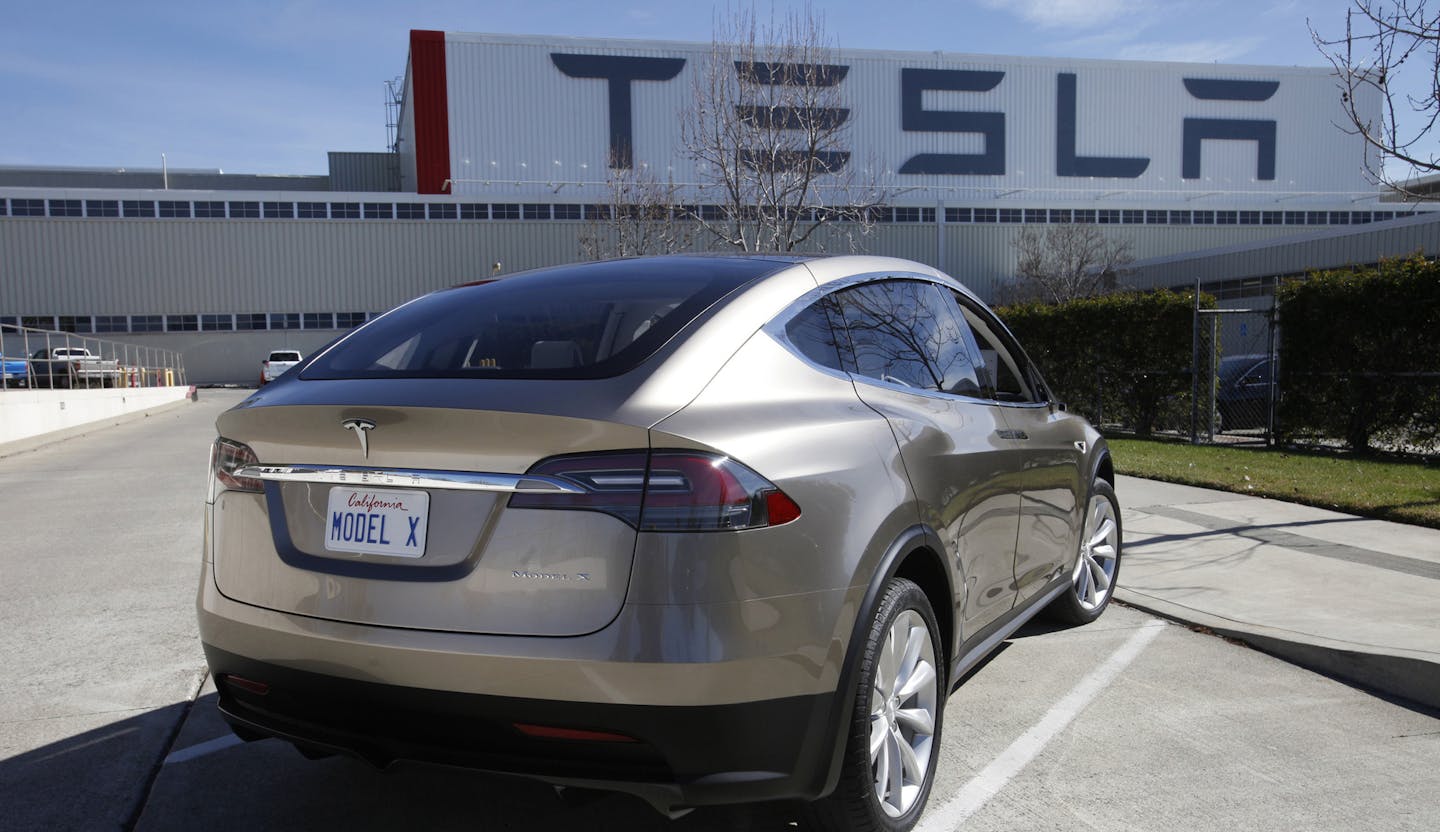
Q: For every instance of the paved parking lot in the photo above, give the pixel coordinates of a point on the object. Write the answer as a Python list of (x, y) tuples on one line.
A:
[(1131, 723)]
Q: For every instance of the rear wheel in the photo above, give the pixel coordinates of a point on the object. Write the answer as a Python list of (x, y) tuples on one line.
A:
[(1097, 563), (894, 739)]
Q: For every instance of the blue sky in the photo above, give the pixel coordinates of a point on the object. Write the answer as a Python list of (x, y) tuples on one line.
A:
[(268, 86)]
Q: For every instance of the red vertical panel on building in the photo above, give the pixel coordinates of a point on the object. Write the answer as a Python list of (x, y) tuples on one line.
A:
[(432, 111)]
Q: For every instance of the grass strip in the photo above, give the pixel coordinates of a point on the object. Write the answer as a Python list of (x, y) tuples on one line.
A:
[(1400, 490)]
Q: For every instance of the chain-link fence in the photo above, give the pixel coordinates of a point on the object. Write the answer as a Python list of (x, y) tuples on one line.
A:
[(1234, 388), (38, 358)]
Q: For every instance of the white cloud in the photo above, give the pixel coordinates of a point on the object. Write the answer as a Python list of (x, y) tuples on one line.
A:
[(1197, 51), (1076, 14)]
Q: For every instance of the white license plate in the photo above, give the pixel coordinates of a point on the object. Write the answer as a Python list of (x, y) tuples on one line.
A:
[(377, 522)]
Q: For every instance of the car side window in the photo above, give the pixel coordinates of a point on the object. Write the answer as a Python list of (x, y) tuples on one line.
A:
[(810, 332), (1004, 372), (901, 332)]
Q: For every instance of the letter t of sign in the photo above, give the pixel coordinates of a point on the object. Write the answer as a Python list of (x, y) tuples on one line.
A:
[(620, 71)]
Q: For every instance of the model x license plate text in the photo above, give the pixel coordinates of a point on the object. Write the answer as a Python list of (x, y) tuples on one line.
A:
[(376, 522)]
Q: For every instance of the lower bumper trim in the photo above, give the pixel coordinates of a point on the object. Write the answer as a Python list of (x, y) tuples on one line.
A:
[(682, 756)]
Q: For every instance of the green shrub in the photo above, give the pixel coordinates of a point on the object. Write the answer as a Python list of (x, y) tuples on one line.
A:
[(1360, 354), (1121, 358)]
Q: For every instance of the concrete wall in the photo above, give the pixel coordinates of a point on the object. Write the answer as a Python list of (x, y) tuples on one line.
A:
[(30, 415)]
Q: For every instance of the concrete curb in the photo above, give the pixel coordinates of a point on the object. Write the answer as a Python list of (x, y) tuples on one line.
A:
[(1406, 677)]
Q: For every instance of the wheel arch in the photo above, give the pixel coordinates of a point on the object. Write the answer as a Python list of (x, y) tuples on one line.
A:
[(1102, 467), (916, 556)]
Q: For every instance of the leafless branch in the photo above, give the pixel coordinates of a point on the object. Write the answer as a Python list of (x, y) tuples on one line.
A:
[(1058, 263), (1380, 39), (641, 216), (768, 132)]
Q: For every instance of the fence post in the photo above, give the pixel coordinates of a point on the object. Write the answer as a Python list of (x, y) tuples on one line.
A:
[(1274, 372), (1195, 369)]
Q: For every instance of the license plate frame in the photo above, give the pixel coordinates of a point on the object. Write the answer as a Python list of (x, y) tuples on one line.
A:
[(377, 521)]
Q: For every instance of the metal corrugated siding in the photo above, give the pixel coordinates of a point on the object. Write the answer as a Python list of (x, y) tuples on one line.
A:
[(129, 266), (374, 172), (1366, 245), (134, 267), (52, 178)]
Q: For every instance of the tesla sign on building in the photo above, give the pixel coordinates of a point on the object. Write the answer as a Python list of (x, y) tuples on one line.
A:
[(485, 111)]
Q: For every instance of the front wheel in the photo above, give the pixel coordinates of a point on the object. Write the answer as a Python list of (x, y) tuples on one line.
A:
[(1097, 563), (894, 740)]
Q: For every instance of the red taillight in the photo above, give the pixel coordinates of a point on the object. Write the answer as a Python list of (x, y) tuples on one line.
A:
[(780, 508), (227, 457), (665, 491)]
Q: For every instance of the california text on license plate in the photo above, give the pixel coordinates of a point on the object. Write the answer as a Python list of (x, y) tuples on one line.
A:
[(377, 522)]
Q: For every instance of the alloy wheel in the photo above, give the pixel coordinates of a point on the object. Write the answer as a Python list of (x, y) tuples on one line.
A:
[(902, 714), (1094, 573)]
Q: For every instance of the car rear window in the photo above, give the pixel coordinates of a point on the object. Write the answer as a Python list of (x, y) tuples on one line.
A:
[(284, 356), (588, 321)]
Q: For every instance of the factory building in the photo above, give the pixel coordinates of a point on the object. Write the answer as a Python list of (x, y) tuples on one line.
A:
[(504, 148)]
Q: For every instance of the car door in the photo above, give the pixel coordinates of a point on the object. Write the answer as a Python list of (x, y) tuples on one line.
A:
[(911, 363), (1051, 444)]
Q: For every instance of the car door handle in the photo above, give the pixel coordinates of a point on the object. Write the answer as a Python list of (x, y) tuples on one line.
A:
[(1012, 434)]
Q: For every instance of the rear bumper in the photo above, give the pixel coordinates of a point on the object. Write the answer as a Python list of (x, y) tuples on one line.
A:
[(680, 756), (755, 721)]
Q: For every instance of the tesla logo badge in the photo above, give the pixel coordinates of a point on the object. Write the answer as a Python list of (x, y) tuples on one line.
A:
[(362, 428)]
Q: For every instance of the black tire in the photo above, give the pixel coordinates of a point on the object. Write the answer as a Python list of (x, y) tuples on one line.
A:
[(1079, 604), (855, 805)]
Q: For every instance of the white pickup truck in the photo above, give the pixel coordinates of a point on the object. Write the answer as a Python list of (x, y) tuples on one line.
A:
[(73, 367), (278, 362)]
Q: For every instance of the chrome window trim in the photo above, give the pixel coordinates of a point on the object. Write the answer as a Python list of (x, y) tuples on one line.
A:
[(411, 478)]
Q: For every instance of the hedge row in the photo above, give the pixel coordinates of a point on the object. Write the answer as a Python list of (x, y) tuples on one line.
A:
[(1119, 358), (1360, 354)]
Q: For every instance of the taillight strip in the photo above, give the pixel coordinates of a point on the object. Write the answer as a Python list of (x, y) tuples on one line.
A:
[(413, 478)]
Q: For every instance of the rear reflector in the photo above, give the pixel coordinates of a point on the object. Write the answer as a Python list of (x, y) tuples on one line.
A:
[(779, 508), (665, 491), (550, 732), (257, 688)]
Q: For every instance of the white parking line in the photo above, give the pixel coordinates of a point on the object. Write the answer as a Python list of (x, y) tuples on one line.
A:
[(201, 749), (975, 794)]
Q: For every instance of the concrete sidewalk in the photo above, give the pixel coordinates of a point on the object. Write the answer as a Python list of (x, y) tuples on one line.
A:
[(1354, 598)]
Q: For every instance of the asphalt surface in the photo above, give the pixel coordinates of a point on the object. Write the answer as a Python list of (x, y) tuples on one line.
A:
[(107, 722)]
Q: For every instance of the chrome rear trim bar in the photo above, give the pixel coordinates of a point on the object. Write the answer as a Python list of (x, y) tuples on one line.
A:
[(411, 478)]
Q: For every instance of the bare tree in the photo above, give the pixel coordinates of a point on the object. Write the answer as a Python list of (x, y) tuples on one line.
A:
[(641, 216), (768, 133), (1058, 263), (1380, 39)]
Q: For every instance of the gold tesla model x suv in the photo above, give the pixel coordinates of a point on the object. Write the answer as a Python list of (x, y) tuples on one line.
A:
[(702, 529)]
